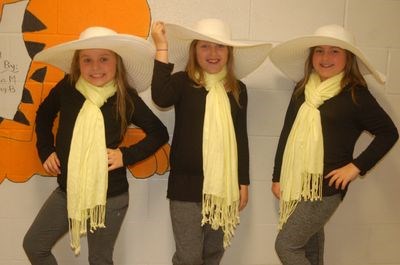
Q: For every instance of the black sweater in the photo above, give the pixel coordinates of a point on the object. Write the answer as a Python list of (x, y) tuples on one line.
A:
[(66, 101), (342, 122), (186, 176)]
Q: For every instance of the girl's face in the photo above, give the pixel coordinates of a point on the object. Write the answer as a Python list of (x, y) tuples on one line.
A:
[(211, 57), (98, 66), (328, 61)]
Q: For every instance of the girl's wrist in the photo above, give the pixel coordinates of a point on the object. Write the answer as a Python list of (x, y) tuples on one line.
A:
[(161, 47)]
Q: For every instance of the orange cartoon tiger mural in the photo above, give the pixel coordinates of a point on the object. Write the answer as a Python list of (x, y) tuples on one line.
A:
[(27, 27)]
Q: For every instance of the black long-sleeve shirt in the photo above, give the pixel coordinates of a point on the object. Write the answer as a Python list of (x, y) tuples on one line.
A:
[(343, 121), (186, 176), (66, 101)]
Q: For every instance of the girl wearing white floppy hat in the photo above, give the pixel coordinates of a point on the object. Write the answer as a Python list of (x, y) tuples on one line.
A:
[(331, 106), (96, 101), (209, 177)]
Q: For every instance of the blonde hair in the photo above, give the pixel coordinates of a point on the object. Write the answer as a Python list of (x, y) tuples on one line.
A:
[(124, 102), (352, 75), (193, 67)]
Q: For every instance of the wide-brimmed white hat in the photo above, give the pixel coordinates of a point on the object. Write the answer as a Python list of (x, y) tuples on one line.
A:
[(248, 56), (137, 53), (291, 55)]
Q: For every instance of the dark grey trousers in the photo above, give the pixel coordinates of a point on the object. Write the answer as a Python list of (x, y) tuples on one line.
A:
[(51, 224), (195, 244), (301, 240)]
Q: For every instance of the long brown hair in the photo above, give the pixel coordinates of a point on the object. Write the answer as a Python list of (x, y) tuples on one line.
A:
[(124, 103), (351, 79), (193, 67)]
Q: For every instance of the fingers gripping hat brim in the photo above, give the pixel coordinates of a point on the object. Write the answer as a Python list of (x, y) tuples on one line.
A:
[(137, 55), (248, 56)]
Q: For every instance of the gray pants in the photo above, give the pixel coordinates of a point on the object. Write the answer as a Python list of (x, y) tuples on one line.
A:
[(195, 244), (301, 240), (51, 224)]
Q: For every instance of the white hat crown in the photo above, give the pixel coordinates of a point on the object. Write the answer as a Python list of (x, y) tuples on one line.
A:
[(290, 56), (93, 32), (248, 55), (214, 28), (336, 32), (137, 53)]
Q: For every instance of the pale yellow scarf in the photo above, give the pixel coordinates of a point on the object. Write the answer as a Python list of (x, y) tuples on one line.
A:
[(302, 166), (87, 165), (220, 166)]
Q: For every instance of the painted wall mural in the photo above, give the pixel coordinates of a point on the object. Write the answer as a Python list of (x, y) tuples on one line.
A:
[(27, 27)]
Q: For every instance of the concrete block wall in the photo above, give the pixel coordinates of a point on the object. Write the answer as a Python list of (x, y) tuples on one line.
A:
[(366, 227)]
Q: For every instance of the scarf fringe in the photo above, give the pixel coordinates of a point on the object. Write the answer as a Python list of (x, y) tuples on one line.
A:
[(77, 228), (218, 214), (311, 191), (311, 186), (286, 208)]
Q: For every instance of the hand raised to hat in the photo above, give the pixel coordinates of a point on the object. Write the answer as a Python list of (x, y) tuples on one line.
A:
[(159, 36)]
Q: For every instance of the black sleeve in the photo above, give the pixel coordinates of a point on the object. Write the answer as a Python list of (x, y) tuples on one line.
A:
[(290, 116), (165, 90), (156, 133), (45, 116), (242, 139), (376, 121)]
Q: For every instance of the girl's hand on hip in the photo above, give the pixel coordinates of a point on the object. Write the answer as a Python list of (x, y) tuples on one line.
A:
[(52, 164), (114, 159), (341, 177)]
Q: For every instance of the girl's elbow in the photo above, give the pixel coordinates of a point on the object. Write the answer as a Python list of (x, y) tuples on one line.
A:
[(165, 136), (395, 136), (161, 103), (161, 136)]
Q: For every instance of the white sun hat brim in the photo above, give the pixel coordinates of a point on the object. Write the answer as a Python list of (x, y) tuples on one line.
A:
[(290, 56), (248, 55), (137, 53)]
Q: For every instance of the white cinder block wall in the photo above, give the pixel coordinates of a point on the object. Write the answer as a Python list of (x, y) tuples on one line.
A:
[(366, 227)]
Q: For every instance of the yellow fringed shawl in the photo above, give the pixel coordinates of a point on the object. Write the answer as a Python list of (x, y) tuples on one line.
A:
[(220, 165), (302, 165), (87, 179)]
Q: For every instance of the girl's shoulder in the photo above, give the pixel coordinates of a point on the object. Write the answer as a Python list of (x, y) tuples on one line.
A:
[(64, 85), (241, 84), (358, 91), (242, 87), (355, 88), (361, 97), (65, 82), (181, 75), (182, 79)]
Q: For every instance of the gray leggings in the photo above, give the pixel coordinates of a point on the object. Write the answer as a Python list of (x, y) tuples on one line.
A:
[(51, 224), (301, 240), (195, 244)]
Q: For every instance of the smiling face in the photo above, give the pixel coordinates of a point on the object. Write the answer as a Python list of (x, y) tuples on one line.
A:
[(328, 61), (97, 66), (211, 57)]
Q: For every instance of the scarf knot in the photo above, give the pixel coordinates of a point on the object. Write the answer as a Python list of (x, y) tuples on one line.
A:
[(220, 206), (87, 179), (303, 157)]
